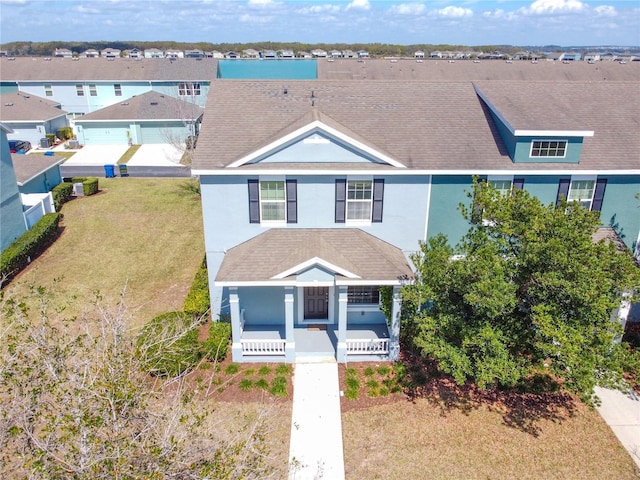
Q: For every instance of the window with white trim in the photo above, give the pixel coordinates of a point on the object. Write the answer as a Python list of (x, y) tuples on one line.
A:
[(272, 201), (502, 185), (48, 90), (581, 191), (359, 200), (548, 148), (189, 89), (93, 91), (363, 295), (117, 89), (79, 90)]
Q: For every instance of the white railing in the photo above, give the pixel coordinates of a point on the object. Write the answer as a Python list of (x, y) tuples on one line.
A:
[(263, 347), (368, 346)]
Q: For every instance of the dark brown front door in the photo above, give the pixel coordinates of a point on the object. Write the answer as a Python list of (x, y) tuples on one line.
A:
[(316, 300)]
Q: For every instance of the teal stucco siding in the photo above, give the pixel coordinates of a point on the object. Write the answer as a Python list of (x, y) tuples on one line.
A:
[(447, 193)]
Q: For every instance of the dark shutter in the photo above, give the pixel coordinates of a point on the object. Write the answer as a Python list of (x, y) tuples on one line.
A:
[(254, 201), (292, 201), (378, 194), (341, 199), (518, 183), (563, 190), (598, 197)]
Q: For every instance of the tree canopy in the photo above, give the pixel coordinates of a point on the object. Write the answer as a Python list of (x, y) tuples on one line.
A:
[(526, 291)]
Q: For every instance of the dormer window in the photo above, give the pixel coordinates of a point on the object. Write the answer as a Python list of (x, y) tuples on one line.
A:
[(548, 148)]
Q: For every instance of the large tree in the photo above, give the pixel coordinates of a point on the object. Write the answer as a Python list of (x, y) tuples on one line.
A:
[(526, 291)]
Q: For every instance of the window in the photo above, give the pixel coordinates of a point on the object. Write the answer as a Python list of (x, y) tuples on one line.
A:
[(359, 197), (189, 89), (79, 90), (581, 191), (117, 89), (502, 186), (48, 90), (363, 295), (359, 200), (273, 201), (548, 148), (93, 91)]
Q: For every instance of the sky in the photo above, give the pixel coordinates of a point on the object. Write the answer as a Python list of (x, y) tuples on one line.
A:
[(403, 22)]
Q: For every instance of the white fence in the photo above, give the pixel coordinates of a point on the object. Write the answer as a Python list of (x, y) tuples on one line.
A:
[(369, 346), (263, 347), (35, 205)]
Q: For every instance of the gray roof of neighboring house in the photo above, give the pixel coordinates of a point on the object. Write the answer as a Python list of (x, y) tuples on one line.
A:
[(38, 69), (280, 249), (22, 107), (422, 125), (27, 167), (467, 70), (148, 106)]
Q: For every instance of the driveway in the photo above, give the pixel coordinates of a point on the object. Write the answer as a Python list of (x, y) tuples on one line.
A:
[(98, 155), (157, 155)]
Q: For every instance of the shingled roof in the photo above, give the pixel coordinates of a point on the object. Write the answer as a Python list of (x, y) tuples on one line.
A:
[(27, 167), (148, 106), (423, 125), (265, 257), (23, 107), (39, 69)]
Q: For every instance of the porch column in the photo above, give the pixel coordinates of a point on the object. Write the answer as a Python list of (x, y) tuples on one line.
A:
[(394, 327), (236, 327), (341, 351), (290, 345)]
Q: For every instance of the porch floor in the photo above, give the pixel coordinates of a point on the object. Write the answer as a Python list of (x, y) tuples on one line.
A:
[(311, 340)]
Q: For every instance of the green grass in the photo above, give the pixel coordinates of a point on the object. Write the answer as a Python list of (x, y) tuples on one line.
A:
[(232, 369), (249, 371), (283, 369), (368, 371), (126, 156), (140, 236), (262, 384), (264, 370), (246, 384)]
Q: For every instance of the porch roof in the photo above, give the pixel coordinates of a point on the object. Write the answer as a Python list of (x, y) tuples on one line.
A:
[(276, 256)]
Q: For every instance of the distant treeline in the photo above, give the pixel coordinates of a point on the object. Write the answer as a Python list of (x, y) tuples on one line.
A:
[(374, 49)]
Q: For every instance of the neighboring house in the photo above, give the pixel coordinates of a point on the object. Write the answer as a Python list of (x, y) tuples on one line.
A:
[(231, 55), (335, 54), (148, 118), (91, 84), (63, 53), (193, 54), (12, 223), (135, 53), (304, 55), (419, 55), (31, 117), (287, 54), (91, 53), (570, 57), (250, 53), (315, 195), (110, 53), (174, 54), (153, 53), (363, 54), (318, 53), (36, 175), (269, 54)]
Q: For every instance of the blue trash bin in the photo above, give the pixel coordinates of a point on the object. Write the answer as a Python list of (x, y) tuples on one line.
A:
[(109, 171)]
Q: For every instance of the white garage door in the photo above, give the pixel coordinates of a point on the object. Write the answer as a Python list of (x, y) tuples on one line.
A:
[(105, 134)]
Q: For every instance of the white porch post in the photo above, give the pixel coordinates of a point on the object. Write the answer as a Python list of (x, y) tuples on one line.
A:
[(290, 345), (234, 307), (394, 328), (341, 353)]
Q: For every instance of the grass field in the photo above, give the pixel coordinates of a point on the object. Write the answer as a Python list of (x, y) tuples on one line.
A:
[(139, 236)]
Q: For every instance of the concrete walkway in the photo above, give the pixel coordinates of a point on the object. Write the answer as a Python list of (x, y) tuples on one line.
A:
[(315, 451), (621, 411)]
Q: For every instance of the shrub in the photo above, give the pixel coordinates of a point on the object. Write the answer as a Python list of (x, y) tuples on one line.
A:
[(283, 369), (29, 245), (216, 346), (65, 133), (197, 301), (368, 372), (264, 370), (232, 369), (61, 194), (262, 384), (168, 344), (279, 386), (51, 137), (246, 384)]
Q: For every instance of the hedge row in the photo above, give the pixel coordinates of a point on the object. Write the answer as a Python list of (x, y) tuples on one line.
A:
[(197, 302), (89, 184), (61, 194), (29, 245)]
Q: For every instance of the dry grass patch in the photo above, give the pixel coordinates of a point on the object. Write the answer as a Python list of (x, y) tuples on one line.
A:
[(142, 235)]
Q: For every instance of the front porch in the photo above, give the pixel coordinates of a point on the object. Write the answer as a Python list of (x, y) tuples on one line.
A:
[(365, 342)]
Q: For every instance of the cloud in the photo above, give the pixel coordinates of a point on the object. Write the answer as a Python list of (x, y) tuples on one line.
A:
[(544, 7), (605, 11), (455, 12), (261, 3), (257, 19), (319, 9), (408, 9), (359, 5)]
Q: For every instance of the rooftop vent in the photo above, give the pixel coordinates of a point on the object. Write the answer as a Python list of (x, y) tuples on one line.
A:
[(124, 104), (8, 104), (154, 103), (285, 90)]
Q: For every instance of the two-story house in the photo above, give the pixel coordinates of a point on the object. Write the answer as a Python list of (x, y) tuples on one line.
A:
[(315, 193)]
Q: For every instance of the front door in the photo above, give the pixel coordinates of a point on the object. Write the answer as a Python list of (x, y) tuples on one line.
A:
[(316, 300)]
